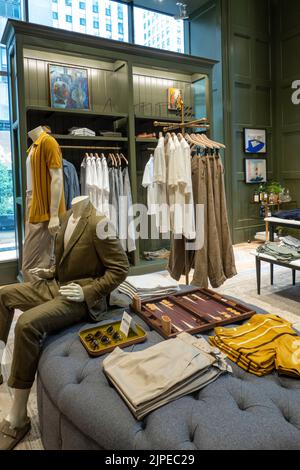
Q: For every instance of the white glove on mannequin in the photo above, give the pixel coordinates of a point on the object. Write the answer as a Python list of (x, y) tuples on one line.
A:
[(72, 292)]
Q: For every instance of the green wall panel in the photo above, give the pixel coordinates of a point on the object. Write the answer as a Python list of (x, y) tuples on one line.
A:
[(290, 113), (244, 104), (290, 15), (286, 41), (242, 52), (263, 108), (290, 66), (262, 60)]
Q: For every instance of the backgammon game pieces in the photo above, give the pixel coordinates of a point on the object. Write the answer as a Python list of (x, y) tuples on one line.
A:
[(194, 312)]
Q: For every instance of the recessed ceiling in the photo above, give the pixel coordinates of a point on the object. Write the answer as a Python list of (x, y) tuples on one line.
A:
[(168, 6)]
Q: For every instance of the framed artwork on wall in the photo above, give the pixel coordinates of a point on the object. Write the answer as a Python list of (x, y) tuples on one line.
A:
[(69, 87), (174, 98), (255, 141), (256, 170)]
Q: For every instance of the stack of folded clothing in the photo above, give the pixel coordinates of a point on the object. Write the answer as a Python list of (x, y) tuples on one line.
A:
[(159, 254), (110, 133), (148, 286), (153, 377), (82, 131), (293, 214), (291, 242), (260, 345), (283, 253)]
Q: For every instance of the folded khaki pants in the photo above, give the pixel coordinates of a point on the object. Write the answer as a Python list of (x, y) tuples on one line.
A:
[(155, 376)]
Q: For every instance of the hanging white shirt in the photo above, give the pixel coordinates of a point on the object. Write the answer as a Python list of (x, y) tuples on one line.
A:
[(99, 185), (189, 226), (105, 188), (148, 183), (160, 180)]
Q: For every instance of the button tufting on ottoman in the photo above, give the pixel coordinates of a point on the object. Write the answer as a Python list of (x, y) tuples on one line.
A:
[(78, 408)]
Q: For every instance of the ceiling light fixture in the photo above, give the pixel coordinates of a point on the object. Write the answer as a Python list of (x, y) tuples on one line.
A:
[(182, 15)]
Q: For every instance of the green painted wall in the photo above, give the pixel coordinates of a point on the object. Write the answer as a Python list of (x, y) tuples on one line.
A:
[(249, 75), (286, 27), (238, 32)]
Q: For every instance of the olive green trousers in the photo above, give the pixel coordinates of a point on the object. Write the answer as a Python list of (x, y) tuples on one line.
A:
[(45, 312)]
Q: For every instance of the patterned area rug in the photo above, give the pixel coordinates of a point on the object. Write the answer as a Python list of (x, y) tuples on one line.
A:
[(281, 299)]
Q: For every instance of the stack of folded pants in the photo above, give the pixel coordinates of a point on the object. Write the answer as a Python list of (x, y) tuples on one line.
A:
[(153, 377), (291, 242), (282, 253), (262, 344), (148, 286)]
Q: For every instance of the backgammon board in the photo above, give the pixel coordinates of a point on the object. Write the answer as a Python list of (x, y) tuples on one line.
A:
[(195, 311)]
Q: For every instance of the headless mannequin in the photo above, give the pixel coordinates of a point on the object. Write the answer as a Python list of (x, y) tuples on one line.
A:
[(18, 413), (17, 416), (56, 187)]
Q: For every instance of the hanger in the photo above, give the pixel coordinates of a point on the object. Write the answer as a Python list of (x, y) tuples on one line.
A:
[(190, 139), (118, 159), (124, 158), (217, 144), (180, 136), (198, 138)]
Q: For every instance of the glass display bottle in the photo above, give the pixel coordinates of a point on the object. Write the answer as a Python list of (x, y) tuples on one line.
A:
[(256, 198)]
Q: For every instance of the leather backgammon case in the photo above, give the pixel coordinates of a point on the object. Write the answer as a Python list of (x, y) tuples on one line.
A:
[(194, 311)]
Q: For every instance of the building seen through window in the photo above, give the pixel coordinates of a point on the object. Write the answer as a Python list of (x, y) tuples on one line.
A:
[(104, 18), (158, 30), (8, 9)]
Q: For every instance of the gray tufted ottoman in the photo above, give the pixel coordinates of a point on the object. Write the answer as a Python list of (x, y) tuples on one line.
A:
[(78, 408)]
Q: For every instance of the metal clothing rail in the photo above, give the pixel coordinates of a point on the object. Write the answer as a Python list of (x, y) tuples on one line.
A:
[(196, 123)]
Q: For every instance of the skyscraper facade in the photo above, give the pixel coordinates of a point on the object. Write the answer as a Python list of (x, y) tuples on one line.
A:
[(158, 30)]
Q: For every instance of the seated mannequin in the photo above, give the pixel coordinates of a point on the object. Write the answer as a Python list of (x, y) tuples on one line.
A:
[(87, 270)]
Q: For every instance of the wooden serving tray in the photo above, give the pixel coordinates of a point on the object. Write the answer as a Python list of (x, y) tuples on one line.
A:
[(132, 338), (195, 311)]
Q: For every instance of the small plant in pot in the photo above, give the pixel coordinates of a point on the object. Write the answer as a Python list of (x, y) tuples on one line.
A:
[(275, 188)]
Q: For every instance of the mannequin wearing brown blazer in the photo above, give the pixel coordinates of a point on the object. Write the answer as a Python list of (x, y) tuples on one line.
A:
[(97, 265)]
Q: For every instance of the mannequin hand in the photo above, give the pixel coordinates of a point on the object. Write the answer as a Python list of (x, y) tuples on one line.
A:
[(53, 226), (72, 292), (43, 273)]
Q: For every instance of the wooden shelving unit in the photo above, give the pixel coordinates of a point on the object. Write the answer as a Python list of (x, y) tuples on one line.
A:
[(86, 138), (105, 114)]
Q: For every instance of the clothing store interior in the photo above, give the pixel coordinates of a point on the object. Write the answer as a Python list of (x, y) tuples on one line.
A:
[(149, 206)]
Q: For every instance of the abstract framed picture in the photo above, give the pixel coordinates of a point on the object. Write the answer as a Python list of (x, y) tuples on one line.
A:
[(255, 141), (174, 98), (69, 87), (256, 170)]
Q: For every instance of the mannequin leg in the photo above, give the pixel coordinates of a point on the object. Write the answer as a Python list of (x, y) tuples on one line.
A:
[(17, 416)]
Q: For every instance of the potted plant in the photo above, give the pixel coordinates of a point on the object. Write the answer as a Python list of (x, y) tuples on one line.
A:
[(275, 188)]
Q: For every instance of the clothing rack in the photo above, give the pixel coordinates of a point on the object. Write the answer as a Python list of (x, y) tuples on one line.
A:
[(84, 147), (170, 126)]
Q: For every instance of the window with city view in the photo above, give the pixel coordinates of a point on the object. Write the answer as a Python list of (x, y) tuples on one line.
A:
[(158, 30), (104, 18), (8, 9)]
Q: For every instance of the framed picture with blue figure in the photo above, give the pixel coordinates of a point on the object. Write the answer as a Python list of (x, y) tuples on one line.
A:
[(255, 141), (256, 170), (69, 87)]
